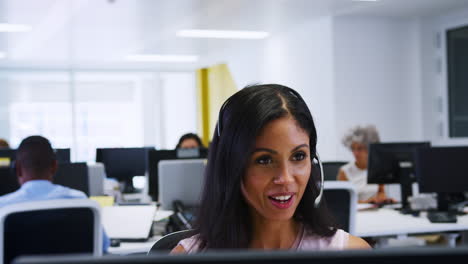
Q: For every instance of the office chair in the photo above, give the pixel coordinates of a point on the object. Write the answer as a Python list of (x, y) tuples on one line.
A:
[(50, 227), (331, 168), (341, 200), (169, 241)]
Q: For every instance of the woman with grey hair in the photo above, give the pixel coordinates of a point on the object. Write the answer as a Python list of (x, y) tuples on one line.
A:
[(358, 140)]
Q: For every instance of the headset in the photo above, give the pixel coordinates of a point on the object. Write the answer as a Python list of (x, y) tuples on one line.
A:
[(318, 199)]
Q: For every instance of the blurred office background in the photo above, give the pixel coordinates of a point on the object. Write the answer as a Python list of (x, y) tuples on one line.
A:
[(68, 70)]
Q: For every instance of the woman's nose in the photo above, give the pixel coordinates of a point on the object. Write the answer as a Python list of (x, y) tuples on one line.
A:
[(284, 176)]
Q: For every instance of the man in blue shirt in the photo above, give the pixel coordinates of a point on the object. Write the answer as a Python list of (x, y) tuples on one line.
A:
[(35, 167)]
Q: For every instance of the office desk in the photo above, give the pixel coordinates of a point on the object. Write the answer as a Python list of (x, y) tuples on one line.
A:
[(389, 222), (374, 223), (127, 248)]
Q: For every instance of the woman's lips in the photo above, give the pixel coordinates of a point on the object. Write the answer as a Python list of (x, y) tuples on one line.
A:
[(282, 201)]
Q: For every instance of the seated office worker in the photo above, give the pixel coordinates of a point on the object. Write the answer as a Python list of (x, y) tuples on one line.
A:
[(260, 191), (189, 140), (358, 140), (4, 144), (35, 167)]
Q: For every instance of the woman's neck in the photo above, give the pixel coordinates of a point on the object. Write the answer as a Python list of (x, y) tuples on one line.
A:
[(361, 165), (269, 234)]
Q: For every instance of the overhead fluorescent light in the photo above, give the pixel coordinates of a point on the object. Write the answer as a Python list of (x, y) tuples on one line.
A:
[(2, 55), (4, 27), (222, 34), (365, 0), (161, 58)]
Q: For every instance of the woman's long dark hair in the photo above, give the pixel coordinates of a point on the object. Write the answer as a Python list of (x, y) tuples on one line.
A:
[(223, 220)]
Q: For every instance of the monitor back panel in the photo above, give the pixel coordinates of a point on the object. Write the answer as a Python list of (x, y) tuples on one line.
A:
[(180, 180), (442, 169), (8, 181), (73, 175)]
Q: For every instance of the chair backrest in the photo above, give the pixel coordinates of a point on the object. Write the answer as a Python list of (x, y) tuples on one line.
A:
[(341, 200), (169, 241), (50, 227), (331, 168), (96, 176)]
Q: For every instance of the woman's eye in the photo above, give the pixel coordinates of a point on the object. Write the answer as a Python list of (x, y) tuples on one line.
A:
[(299, 156), (264, 160)]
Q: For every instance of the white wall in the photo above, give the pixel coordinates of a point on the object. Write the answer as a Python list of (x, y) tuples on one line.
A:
[(302, 59), (350, 70), (434, 75), (178, 108), (377, 77)]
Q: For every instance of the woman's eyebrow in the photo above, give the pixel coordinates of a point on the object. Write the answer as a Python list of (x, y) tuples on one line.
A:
[(275, 152), (265, 150), (300, 146)]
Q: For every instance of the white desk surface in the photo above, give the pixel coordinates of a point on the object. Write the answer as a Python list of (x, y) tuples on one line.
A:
[(389, 222), (126, 248), (372, 223)]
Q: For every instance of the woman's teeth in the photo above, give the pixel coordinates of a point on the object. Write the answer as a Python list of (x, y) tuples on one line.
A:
[(282, 198)]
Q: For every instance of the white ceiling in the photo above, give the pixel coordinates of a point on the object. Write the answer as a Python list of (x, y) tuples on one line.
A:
[(101, 31)]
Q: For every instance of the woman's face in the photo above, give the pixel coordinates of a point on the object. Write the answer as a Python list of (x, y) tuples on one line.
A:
[(278, 170), (189, 143), (360, 152)]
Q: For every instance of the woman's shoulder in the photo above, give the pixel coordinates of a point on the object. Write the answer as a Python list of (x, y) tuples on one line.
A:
[(347, 166), (188, 245), (355, 242)]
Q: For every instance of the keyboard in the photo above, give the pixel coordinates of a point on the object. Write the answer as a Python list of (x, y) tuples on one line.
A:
[(441, 217)]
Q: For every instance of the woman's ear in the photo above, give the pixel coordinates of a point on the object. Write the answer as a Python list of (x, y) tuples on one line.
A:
[(243, 191)]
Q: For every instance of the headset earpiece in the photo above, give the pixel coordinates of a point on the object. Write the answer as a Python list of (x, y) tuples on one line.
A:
[(319, 196)]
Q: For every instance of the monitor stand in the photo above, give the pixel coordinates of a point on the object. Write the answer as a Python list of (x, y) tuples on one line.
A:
[(406, 182), (444, 214)]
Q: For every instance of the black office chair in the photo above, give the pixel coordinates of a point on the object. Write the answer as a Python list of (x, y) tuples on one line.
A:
[(70, 226), (341, 200), (169, 241), (331, 168)]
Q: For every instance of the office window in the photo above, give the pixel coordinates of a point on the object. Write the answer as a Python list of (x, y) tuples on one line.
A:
[(37, 104), (457, 62), (85, 110), (109, 112)]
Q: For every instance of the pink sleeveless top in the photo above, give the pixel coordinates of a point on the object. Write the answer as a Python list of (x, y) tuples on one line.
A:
[(305, 240)]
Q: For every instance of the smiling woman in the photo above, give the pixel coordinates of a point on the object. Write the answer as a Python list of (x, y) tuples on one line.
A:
[(260, 187)]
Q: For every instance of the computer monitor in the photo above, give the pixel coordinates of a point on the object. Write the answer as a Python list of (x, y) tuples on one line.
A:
[(6, 157), (394, 163), (8, 181), (62, 156), (180, 180), (123, 164), (395, 255), (73, 175), (155, 156), (442, 170)]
